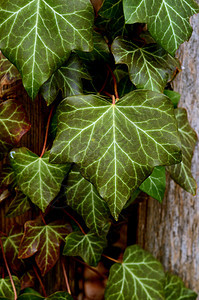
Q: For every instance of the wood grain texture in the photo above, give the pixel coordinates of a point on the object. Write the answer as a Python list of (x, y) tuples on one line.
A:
[(171, 231)]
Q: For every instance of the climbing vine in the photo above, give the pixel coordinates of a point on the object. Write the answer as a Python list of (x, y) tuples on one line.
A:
[(113, 130)]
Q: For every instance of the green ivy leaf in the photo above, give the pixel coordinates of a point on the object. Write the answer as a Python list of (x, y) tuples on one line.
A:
[(167, 21), (11, 246), (14, 124), (67, 79), (175, 289), (36, 177), (150, 67), (6, 289), (19, 205), (38, 35), (155, 184), (117, 146), (45, 241), (7, 69), (82, 196), (139, 276), (181, 173), (30, 294), (88, 246), (173, 96), (6, 177)]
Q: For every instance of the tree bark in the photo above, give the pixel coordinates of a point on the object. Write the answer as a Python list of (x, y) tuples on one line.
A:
[(171, 230)]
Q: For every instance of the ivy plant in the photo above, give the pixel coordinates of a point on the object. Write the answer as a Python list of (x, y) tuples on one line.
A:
[(114, 128)]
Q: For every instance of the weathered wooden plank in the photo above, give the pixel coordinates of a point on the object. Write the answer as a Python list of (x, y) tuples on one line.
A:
[(171, 231)]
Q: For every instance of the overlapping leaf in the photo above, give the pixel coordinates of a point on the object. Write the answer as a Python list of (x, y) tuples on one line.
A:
[(139, 276), (173, 96), (38, 35), (88, 246), (117, 146), (36, 177), (84, 198), (6, 177), (155, 184), (149, 67), (175, 289), (168, 21), (45, 241), (6, 289), (19, 205), (67, 79), (30, 294), (8, 69), (181, 173), (13, 123), (11, 246)]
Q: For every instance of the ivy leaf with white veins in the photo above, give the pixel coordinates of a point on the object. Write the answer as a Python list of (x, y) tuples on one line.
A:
[(8, 69), (155, 184), (83, 197), (167, 20), (13, 123), (37, 36), (19, 205), (88, 246), (139, 276), (181, 173), (67, 79), (45, 241), (150, 67), (36, 177), (6, 289), (117, 145), (175, 289)]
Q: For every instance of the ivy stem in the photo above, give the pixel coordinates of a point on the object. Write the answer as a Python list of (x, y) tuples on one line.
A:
[(110, 258), (8, 270), (42, 217), (80, 227), (47, 128), (114, 82), (105, 82), (40, 281), (108, 94), (113, 99), (65, 276), (89, 267)]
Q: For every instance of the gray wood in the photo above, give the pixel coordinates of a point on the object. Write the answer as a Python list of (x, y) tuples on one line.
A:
[(171, 231)]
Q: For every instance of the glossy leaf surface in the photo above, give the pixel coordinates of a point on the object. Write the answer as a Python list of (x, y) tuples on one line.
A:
[(88, 246), (181, 173), (167, 20), (83, 197), (13, 123), (38, 36), (155, 184), (45, 241), (150, 67), (36, 177), (118, 145), (66, 79), (139, 276), (175, 289)]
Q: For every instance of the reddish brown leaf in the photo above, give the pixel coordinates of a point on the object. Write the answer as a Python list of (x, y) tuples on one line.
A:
[(28, 280)]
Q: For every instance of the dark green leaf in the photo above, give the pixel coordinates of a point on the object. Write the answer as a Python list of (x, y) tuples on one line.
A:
[(6, 177), (175, 289), (38, 36), (181, 173), (67, 79), (84, 198), (150, 67), (173, 96), (19, 205), (45, 241), (13, 123), (6, 289), (117, 146), (7, 69), (11, 246), (155, 184), (167, 20), (125, 86), (88, 246), (140, 276), (36, 177), (30, 294)]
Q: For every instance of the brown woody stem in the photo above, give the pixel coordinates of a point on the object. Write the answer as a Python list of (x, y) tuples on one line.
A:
[(114, 82), (65, 276), (80, 227), (110, 258), (46, 135), (40, 281)]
